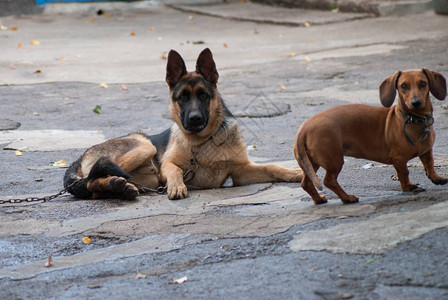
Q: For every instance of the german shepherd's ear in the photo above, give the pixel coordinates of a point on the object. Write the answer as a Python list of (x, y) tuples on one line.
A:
[(205, 65), (437, 84), (388, 89), (175, 68)]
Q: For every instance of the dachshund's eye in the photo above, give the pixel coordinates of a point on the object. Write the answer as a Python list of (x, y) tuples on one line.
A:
[(423, 84), (404, 86)]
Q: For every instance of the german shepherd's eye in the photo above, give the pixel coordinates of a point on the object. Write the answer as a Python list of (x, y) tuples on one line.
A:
[(404, 86), (422, 84), (204, 96), (183, 97)]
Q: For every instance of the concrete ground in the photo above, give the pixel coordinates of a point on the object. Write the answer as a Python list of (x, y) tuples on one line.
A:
[(260, 241)]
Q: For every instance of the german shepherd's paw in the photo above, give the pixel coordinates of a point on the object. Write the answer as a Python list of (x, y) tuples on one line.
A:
[(177, 191)]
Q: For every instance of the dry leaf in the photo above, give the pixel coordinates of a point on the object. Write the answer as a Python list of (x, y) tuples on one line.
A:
[(48, 263), (164, 56), (152, 28), (61, 58), (86, 240), (306, 24), (180, 280), (104, 85), (312, 40), (282, 88), (124, 88), (292, 54), (20, 46), (38, 72), (18, 153), (91, 20), (59, 163), (34, 42), (132, 32), (224, 45), (139, 275), (15, 28), (107, 15), (307, 58)]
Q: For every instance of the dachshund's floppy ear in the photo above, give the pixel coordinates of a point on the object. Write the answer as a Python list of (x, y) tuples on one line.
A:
[(175, 68), (437, 84), (388, 89)]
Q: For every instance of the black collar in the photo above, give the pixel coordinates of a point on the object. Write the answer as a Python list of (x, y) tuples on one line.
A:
[(425, 121)]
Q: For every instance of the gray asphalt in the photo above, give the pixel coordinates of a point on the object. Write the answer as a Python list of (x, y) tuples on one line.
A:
[(257, 242)]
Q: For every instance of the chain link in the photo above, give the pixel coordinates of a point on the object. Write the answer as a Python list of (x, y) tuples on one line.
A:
[(37, 199), (188, 176)]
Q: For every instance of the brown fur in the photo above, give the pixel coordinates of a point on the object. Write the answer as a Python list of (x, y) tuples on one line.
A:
[(374, 133), (218, 146)]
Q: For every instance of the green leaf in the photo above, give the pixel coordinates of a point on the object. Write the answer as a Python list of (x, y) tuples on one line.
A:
[(368, 261), (97, 109)]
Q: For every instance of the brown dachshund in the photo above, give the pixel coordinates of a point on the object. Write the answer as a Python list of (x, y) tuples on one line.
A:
[(390, 135)]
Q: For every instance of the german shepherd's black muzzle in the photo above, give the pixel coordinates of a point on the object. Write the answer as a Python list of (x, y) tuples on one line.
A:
[(195, 115)]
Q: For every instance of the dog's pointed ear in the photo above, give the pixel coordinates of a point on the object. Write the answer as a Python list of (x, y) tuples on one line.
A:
[(175, 68), (388, 89), (205, 65), (437, 84)]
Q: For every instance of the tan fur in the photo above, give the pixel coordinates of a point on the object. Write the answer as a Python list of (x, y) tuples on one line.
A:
[(373, 133)]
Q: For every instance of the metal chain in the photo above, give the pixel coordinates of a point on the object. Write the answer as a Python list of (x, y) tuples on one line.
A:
[(188, 176), (37, 199)]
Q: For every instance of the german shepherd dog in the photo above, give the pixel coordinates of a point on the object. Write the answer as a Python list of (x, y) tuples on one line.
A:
[(203, 147)]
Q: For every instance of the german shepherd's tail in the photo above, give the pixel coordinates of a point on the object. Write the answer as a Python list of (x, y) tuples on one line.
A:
[(300, 153), (103, 167)]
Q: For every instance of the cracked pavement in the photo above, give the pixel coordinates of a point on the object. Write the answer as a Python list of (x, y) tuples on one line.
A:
[(260, 241)]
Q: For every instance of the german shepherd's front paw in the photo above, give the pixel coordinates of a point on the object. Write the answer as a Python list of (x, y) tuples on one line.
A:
[(177, 191)]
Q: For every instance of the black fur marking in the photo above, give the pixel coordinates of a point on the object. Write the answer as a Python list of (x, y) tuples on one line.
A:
[(160, 141), (79, 189), (104, 167)]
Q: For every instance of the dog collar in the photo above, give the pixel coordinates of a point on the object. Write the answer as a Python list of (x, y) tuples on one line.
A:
[(425, 121)]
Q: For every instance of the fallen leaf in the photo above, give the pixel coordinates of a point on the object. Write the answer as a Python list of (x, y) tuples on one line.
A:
[(104, 85), (18, 153), (48, 263), (139, 275), (152, 28), (306, 24), (368, 261), (59, 163), (107, 15), (198, 42), (132, 32), (164, 56), (15, 28), (86, 240), (282, 88), (224, 45), (180, 280), (307, 58), (312, 40), (91, 20), (97, 109), (20, 46), (124, 88), (61, 58), (292, 54), (35, 43), (38, 72)]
